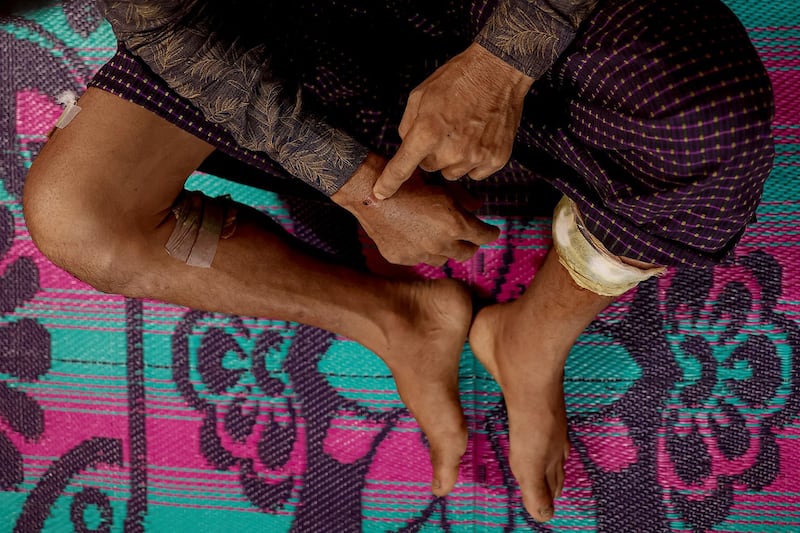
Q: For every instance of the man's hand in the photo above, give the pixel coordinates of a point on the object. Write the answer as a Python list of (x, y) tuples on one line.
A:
[(422, 223), (462, 120)]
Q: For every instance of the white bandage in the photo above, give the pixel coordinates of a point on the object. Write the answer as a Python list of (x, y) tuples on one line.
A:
[(588, 262), (69, 100), (201, 222)]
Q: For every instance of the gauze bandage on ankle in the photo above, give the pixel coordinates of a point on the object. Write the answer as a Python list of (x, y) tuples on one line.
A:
[(201, 222), (588, 262)]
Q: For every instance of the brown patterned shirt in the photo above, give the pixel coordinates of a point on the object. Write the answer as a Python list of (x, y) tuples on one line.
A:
[(232, 84)]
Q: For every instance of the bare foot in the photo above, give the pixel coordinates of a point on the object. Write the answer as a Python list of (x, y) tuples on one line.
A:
[(424, 343), (531, 381)]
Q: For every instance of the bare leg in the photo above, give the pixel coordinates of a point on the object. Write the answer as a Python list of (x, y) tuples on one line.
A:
[(96, 203), (524, 344)]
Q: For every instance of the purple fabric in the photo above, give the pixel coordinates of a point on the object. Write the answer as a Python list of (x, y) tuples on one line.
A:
[(656, 120)]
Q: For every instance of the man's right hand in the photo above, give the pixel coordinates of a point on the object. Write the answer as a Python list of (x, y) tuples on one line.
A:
[(421, 223)]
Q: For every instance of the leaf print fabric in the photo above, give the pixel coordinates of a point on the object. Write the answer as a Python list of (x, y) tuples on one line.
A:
[(531, 34), (234, 84)]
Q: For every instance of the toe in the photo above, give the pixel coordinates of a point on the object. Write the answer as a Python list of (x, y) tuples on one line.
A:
[(446, 453), (538, 501), (555, 479)]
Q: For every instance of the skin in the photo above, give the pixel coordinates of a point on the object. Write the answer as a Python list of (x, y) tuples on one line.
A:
[(424, 223), (462, 121), (97, 201), (524, 345)]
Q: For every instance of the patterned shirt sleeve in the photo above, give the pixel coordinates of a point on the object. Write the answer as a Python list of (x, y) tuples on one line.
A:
[(233, 86), (531, 34)]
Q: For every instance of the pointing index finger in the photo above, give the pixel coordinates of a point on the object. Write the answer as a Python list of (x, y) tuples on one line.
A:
[(400, 167)]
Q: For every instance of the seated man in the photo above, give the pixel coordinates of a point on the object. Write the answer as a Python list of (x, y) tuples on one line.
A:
[(651, 116)]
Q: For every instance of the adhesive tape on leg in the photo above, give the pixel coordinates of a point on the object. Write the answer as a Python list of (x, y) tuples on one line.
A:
[(201, 223)]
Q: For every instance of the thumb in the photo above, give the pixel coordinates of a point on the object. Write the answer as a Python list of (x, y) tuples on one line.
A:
[(479, 232)]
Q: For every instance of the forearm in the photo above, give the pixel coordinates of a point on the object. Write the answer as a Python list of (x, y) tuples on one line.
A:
[(234, 86)]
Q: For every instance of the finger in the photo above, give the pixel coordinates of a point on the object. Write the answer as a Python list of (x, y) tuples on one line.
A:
[(557, 482), (436, 260), (410, 113), (403, 258), (481, 172), (400, 260), (479, 232), (449, 163), (430, 164), (555, 478), (399, 168), (462, 250), (455, 172)]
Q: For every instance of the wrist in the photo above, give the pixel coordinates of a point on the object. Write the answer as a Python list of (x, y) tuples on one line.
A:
[(496, 70), (357, 191)]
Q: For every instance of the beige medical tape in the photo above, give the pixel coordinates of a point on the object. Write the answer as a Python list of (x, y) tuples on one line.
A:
[(201, 222), (69, 100), (588, 262)]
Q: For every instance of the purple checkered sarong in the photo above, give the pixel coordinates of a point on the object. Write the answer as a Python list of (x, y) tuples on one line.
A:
[(656, 120)]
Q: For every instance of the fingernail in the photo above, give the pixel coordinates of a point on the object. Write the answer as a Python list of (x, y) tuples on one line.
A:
[(378, 196), (437, 484), (546, 512)]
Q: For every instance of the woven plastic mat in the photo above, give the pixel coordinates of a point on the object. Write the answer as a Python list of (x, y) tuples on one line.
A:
[(134, 415)]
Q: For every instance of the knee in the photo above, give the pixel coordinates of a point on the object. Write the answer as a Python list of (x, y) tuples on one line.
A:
[(75, 231)]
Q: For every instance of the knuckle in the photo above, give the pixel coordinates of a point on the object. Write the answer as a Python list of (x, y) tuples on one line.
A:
[(465, 227), (429, 164), (402, 130), (480, 156), (425, 133), (416, 93), (452, 174), (496, 163), (427, 136), (499, 159)]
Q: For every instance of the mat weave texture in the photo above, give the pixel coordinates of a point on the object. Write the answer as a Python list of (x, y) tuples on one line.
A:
[(133, 415)]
